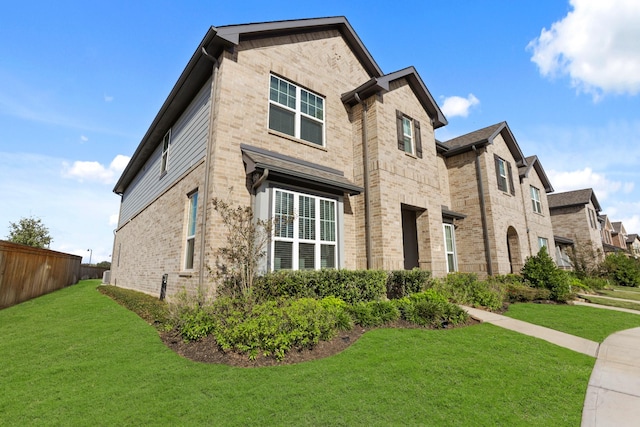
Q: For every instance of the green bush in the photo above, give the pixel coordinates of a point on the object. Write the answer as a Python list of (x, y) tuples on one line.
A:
[(149, 308), (522, 293), (560, 286), (349, 285), (430, 308), (374, 313), (595, 283), (401, 283), (541, 272), (622, 271), (464, 288)]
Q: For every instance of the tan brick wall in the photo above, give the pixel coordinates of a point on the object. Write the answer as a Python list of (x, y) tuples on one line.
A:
[(538, 224), (153, 242), (573, 222)]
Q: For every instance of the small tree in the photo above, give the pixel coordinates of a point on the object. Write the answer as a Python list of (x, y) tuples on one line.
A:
[(624, 271), (104, 264), (541, 272), (585, 259), (29, 231), (246, 240)]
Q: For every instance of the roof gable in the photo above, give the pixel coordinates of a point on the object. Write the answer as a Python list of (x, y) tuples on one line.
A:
[(483, 137), (382, 84), (573, 198), (532, 162)]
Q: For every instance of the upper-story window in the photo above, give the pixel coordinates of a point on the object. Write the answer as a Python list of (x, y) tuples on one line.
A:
[(504, 175), (535, 200), (409, 139), (592, 218), (166, 143), (296, 111)]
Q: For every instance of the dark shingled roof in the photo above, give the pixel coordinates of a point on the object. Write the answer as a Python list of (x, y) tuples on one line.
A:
[(482, 137), (632, 237), (573, 198)]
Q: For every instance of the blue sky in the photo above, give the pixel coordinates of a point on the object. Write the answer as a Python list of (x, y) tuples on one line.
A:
[(80, 82)]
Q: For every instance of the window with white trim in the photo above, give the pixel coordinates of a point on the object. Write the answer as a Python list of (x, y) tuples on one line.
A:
[(407, 134), (535, 200), (304, 231), (191, 231), (296, 111), (166, 144), (502, 175), (450, 247), (543, 243)]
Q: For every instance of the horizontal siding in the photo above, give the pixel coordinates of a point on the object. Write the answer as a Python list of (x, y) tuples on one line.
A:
[(188, 146)]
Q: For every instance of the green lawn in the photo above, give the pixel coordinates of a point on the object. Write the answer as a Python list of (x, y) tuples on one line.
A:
[(75, 357), (587, 322), (612, 302), (624, 294)]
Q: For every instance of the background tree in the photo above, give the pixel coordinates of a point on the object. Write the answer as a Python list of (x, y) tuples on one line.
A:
[(104, 264), (30, 231)]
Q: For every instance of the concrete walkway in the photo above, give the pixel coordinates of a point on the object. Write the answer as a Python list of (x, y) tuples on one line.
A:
[(613, 393)]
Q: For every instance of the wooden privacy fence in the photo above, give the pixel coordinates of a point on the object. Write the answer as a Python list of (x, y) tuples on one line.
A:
[(91, 272), (27, 272)]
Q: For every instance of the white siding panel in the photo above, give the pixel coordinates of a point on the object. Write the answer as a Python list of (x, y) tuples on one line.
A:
[(188, 146)]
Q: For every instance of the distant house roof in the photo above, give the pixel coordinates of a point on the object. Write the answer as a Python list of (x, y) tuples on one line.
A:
[(381, 84), (534, 162), (632, 237), (573, 198), (482, 137), (199, 70), (293, 170)]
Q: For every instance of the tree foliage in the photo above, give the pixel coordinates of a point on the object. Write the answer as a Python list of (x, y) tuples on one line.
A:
[(30, 231)]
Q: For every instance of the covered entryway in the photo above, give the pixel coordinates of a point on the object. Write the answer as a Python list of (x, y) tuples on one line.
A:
[(513, 248), (410, 237)]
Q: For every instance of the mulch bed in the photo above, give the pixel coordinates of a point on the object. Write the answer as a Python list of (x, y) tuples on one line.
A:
[(206, 350)]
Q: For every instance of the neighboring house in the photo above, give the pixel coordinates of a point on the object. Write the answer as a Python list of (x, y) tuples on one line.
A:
[(633, 245), (619, 235), (503, 196), (574, 215), (606, 231)]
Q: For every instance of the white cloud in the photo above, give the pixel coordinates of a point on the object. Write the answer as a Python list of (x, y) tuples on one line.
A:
[(113, 219), (596, 45), (108, 98), (83, 138), (453, 106), (587, 178), (95, 171)]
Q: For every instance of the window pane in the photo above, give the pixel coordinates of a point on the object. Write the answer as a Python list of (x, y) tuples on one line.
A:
[(188, 264), (327, 221), (327, 256), (283, 221), (311, 105), (451, 266), (306, 256), (307, 218), (311, 130), (282, 255), (281, 120), (193, 209), (448, 238), (282, 92), (407, 132)]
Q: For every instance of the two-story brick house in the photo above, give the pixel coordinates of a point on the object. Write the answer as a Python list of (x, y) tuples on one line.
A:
[(574, 215), (503, 196), (296, 120)]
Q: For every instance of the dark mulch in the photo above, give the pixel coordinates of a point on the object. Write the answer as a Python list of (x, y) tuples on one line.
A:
[(206, 350)]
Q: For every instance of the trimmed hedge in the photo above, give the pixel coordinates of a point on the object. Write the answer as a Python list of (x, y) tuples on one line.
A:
[(351, 286), (402, 283), (149, 308)]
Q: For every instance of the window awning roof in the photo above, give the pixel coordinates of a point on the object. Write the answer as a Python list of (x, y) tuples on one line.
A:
[(295, 171)]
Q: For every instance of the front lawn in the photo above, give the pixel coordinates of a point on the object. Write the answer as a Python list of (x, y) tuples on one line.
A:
[(75, 357), (622, 293), (612, 302), (587, 322)]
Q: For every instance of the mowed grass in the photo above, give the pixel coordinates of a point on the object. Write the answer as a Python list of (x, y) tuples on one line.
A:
[(622, 293), (75, 357), (587, 322), (613, 302)]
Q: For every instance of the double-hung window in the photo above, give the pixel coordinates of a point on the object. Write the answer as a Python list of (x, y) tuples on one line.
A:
[(407, 134), (409, 139), (295, 111), (450, 247), (304, 231), (504, 175), (191, 231), (166, 143), (535, 200), (543, 243)]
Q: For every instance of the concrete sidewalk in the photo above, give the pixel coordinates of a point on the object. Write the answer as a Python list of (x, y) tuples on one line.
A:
[(613, 393)]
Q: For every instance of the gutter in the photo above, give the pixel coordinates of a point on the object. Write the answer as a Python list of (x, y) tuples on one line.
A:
[(367, 200), (207, 166), (483, 212)]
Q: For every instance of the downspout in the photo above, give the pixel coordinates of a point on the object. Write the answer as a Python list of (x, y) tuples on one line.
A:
[(365, 162), (207, 166), (483, 213)]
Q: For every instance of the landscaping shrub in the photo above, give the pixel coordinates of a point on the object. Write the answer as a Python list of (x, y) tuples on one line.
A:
[(191, 315), (149, 308), (622, 271), (518, 292), (464, 288), (430, 308), (374, 313), (349, 285), (401, 283), (541, 272)]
